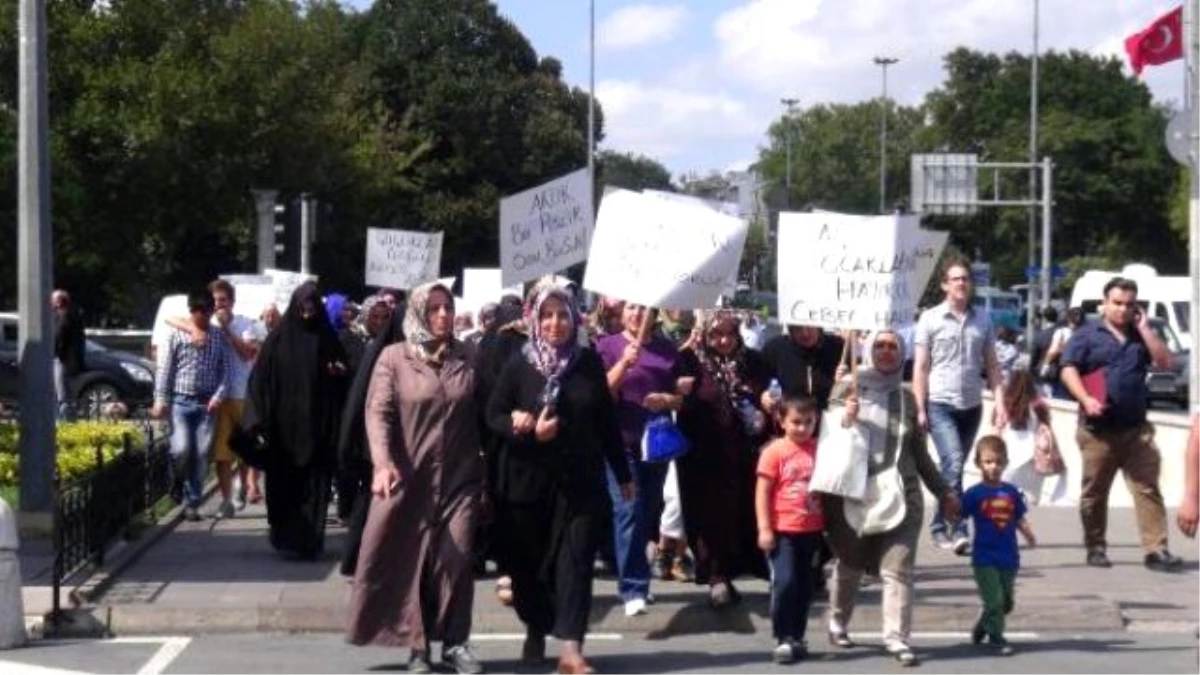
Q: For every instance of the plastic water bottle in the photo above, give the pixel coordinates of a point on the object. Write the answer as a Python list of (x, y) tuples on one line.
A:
[(775, 390)]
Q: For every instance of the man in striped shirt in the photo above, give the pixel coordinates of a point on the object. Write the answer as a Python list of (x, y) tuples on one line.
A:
[(193, 378)]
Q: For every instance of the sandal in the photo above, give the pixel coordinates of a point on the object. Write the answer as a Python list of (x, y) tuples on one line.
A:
[(905, 656), (504, 592), (842, 640)]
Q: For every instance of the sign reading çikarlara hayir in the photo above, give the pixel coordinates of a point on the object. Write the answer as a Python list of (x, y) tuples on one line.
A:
[(402, 259), (546, 229), (853, 272), (661, 253)]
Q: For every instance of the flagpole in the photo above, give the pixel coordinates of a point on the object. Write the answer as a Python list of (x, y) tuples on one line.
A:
[(1191, 68), (591, 142)]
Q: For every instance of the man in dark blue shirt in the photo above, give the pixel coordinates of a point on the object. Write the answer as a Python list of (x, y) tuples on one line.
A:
[(1104, 368)]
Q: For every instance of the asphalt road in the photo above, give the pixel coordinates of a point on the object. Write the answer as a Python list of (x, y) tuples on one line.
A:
[(718, 653)]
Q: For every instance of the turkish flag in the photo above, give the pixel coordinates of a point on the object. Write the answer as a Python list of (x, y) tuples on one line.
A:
[(1161, 42)]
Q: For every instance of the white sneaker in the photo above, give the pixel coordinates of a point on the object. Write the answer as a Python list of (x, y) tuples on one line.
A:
[(635, 607), (225, 510), (962, 545)]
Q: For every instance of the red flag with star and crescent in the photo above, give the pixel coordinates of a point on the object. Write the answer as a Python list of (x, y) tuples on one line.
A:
[(1161, 42)]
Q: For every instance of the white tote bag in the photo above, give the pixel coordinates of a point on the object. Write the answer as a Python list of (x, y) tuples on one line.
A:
[(883, 505), (841, 466)]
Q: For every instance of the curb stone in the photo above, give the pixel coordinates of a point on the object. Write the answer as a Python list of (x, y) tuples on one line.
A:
[(118, 558)]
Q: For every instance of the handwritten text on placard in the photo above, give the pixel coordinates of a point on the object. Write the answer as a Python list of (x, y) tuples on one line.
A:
[(661, 253), (853, 272), (546, 229), (402, 259)]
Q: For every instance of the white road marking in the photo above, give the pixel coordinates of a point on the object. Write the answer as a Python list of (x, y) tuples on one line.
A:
[(966, 635), (17, 668), (515, 637), (168, 652)]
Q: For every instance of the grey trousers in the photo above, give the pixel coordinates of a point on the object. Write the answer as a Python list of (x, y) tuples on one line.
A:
[(891, 554)]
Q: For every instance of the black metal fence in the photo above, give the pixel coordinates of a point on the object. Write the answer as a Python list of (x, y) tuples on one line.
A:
[(92, 511)]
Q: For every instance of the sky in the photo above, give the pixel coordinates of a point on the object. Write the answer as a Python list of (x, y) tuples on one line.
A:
[(696, 83)]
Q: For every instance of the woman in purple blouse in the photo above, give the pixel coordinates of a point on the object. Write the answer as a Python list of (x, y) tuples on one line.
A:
[(642, 377)]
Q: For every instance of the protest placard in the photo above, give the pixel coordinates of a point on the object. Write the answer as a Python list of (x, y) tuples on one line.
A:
[(663, 253), (402, 259), (286, 283), (546, 229), (853, 272)]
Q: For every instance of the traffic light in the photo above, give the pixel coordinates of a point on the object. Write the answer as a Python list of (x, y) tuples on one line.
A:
[(287, 233)]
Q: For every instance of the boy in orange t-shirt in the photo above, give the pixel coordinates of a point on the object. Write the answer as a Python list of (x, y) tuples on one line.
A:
[(790, 522)]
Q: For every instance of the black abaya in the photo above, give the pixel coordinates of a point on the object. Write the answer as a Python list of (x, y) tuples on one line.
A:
[(297, 388)]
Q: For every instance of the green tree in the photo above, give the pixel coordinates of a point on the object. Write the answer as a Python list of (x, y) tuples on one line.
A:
[(1112, 177), (631, 171), (835, 156), (501, 120)]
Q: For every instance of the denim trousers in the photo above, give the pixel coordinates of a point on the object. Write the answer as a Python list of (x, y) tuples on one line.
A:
[(634, 524), (792, 583), (191, 441), (953, 431)]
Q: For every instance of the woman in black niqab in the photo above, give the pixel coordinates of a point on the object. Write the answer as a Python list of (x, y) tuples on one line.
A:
[(297, 388)]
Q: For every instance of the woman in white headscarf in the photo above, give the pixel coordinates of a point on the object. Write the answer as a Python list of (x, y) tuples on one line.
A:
[(886, 418)]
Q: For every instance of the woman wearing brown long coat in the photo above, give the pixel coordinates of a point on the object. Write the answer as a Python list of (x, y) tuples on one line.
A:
[(414, 583)]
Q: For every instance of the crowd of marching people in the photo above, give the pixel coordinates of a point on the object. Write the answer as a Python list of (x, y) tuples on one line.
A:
[(543, 438)]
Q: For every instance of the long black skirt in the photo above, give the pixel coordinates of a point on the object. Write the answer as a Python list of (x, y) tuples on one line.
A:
[(297, 501)]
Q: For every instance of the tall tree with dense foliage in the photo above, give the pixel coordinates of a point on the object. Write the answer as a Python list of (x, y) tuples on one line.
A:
[(631, 171)]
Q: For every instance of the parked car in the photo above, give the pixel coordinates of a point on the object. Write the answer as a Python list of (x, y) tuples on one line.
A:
[(1170, 385), (108, 376)]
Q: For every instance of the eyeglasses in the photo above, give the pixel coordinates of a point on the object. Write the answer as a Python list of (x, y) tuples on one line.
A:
[(887, 345), (956, 279)]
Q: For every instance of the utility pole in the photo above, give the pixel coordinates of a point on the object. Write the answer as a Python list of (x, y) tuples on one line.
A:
[(35, 270), (1191, 30), (883, 62), (791, 104), (264, 209), (591, 131), (1032, 304)]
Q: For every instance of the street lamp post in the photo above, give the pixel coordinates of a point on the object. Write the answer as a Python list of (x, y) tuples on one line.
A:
[(1033, 301), (35, 347), (791, 109), (591, 130), (883, 62)]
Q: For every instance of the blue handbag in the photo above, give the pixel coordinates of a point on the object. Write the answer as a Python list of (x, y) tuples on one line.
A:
[(662, 441)]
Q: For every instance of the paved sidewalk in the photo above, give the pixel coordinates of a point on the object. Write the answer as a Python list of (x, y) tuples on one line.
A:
[(222, 576)]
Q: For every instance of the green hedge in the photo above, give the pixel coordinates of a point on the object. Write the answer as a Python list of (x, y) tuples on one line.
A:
[(77, 443)]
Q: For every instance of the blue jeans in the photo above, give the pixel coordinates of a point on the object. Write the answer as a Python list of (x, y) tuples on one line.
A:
[(191, 440), (634, 523), (953, 431), (792, 576)]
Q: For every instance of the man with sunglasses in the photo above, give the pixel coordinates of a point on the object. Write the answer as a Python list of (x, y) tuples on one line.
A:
[(192, 380), (955, 346)]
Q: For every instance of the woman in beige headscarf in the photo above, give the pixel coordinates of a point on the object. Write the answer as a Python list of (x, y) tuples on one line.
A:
[(886, 416), (414, 582)]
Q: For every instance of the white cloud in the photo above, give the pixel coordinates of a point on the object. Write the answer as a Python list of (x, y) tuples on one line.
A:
[(822, 51), (665, 121), (639, 25)]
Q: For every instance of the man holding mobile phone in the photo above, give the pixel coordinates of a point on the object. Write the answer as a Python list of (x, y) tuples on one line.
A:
[(1104, 368)]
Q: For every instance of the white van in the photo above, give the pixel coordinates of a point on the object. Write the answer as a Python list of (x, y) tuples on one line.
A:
[(1168, 298)]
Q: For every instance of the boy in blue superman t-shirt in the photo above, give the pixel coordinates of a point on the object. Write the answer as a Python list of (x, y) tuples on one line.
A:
[(998, 511)]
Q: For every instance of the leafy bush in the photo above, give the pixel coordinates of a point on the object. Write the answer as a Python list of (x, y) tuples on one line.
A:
[(77, 442)]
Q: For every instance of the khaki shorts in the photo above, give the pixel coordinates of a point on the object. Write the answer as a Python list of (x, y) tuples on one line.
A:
[(229, 415)]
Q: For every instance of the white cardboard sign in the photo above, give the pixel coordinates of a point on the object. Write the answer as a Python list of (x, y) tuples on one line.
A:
[(546, 229), (662, 253), (402, 259), (853, 272), (286, 283)]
